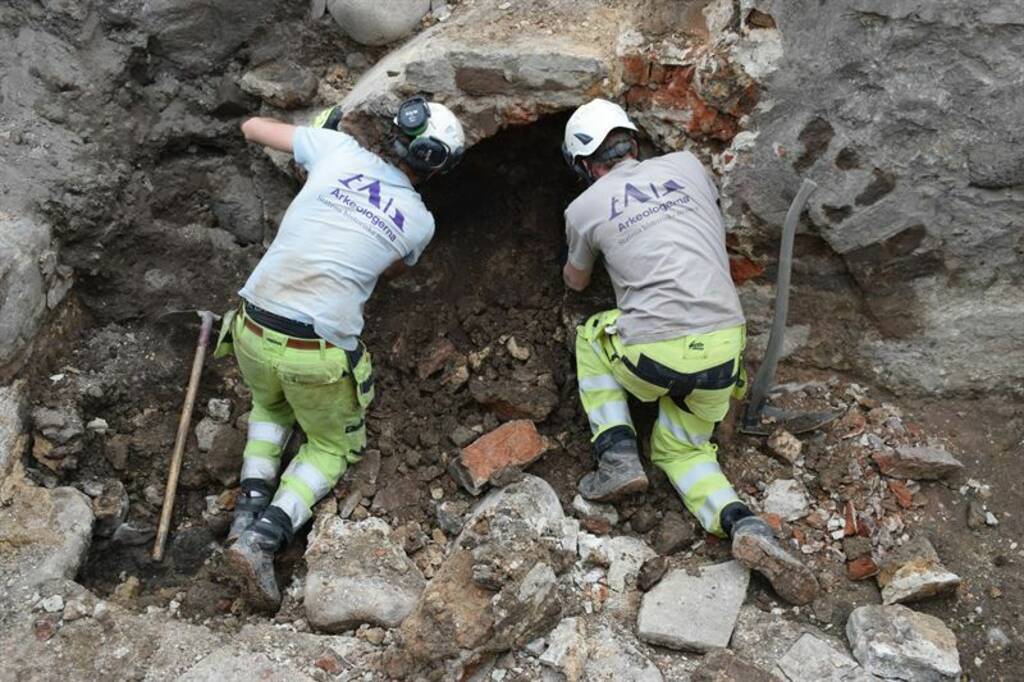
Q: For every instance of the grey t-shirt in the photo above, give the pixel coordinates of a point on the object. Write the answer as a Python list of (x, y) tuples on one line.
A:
[(659, 228), (355, 216)]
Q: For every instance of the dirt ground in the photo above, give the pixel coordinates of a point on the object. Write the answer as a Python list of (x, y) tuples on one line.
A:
[(491, 275)]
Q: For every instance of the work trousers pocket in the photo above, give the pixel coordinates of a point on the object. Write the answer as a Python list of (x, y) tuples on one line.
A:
[(361, 367)]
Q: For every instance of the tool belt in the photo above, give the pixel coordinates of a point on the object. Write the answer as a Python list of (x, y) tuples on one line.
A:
[(680, 385)]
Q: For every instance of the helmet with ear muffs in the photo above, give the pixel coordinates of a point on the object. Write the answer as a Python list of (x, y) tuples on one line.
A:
[(431, 138)]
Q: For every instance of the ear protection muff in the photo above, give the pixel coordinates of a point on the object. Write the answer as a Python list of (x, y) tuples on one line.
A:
[(618, 150), (423, 153), (412, 116)]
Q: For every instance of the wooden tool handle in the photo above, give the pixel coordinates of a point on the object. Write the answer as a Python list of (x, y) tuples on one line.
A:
[(182, 437)]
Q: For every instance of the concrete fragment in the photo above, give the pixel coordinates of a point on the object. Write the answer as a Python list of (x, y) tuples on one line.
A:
[(512, 445), (898, 643), (282, 84), (786, 498), (711, 601), (917, 463), (357, 575), (587, 509), (914, 572), (626, 555), (567, 648), (377, 22), (612, 656), (785, 445), (219, 409), (812, 659), (53, 603), (207, 431)]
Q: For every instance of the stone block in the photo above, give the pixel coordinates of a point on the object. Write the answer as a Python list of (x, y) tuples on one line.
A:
[(786, 498), (377, 22), (918, 463), (710, 600), (357, 575), (812, 659), (914, 572), (898, 643)]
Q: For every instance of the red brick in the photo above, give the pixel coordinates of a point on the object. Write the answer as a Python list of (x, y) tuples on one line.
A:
[(773, 520), (329, 663), (850, 512), (514, 444), (635, 70), (904, 497), (861, 568), (743, 269)]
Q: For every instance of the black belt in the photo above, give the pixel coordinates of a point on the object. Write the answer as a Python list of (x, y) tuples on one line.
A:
[(280, 324), (300, 330)]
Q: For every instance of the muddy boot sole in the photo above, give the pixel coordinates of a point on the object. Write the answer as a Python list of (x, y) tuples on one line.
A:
[(636, 485), (245, 573), (791, 579)]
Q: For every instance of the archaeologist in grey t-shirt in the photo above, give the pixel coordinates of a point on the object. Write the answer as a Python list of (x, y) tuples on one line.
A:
[(676, 336)]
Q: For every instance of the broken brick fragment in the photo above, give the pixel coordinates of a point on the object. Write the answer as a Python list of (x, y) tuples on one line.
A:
[(513, 445), (850, 517), (861, 568), (904, 497), (773, 520), (742, 269), (330, 664)]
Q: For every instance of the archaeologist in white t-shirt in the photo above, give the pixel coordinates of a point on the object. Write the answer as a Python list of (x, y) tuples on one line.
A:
[(676, 336), (296, 333)]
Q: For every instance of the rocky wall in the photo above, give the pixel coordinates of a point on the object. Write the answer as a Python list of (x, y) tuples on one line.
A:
[(119, 122), (907, 116)]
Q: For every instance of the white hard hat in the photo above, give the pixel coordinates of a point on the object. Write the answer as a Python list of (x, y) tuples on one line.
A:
[(435, 136), (589, 125)]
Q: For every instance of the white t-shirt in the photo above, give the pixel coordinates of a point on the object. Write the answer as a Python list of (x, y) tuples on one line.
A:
[(355, 216), (659, 228)]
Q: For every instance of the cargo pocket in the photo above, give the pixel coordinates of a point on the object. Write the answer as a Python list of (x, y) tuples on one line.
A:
[(361, 366), (355, 439), (225, 338)]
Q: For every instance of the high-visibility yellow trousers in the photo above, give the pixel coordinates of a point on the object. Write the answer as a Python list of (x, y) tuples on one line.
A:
[(316, 388), (709, 365)]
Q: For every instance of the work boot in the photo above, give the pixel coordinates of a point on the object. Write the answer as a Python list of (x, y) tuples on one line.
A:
[(252, 558), (618, 473), (754, 545), (253, 497)]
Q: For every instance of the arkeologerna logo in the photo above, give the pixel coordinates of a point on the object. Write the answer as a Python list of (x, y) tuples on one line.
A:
[(668, 194), (388, 221)]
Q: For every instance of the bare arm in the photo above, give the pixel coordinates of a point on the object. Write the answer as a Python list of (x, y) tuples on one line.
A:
[(574, 278), (269, 133)]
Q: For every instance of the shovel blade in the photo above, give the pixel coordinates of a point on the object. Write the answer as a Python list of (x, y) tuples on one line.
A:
[(773, 418)]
